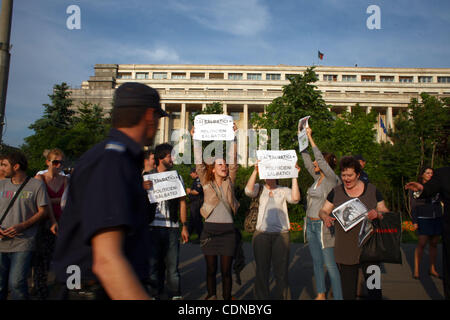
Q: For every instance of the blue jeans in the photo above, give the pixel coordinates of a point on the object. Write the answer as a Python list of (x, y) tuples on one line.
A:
[(164, 256), (14, 269), (321, 256)]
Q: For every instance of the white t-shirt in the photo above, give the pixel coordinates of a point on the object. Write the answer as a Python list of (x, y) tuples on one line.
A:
[(162, 215)]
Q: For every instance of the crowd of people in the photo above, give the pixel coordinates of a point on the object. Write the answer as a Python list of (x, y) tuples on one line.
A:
[(102, 238)]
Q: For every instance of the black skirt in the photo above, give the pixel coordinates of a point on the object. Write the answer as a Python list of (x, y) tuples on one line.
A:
[(218, 239)]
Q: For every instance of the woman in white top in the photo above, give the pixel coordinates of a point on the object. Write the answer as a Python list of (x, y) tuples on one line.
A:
[(271, 238)]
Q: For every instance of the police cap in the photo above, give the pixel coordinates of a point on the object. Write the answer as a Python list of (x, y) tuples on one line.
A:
[(134, 94)]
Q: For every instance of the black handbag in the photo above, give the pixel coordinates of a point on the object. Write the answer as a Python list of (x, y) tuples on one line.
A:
[(383, 244)]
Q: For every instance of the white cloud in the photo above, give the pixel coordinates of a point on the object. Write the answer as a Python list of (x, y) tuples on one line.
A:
[(241, 18)]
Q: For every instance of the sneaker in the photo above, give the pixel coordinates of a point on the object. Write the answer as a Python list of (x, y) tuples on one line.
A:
[(177, 298)]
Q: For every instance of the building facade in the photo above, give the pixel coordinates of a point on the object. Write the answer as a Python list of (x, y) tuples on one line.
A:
[(245, 89)]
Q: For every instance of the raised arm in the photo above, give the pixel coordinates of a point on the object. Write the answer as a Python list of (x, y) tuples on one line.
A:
[(250, 189), (198, 159), (232, 158), (295, 190), (318, 156)]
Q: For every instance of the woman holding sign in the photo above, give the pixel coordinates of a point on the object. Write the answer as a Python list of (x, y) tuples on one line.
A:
[(346, 248), (319, 237), (218, 237), (271, 238)]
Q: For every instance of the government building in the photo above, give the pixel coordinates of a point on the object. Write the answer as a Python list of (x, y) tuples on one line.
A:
[(246, 89)]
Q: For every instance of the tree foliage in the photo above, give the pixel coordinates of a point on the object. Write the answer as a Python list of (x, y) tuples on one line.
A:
[(73, 130)]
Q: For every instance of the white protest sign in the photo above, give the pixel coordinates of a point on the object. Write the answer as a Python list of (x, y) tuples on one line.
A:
[(166, 186), (302, 137), (213, 127), (277, 164)]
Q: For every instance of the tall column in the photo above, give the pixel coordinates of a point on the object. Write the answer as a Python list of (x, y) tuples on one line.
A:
[(244, 137), (166, 127), (389, 118), (225, 109), (349, 109), (368, 109), (203, 106), (162, 126), (182, 125)]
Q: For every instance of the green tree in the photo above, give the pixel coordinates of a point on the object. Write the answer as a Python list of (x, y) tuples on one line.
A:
[(300, 98), (90, 127), (420, 139), (58, 113), (213, 108), (72, 130)]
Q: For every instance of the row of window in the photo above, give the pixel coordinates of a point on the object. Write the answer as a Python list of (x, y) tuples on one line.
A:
[(371, 78), (276, 76)]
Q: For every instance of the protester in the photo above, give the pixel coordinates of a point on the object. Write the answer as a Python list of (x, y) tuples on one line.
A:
[(439, 183), (219, 237), (320, 238), (103, 231), (149, 161), (19, 224), (55, 184), (346, 248), (165, 234), (2, 172), (196, 201), (427, 220), (364, 177), (271, 239)]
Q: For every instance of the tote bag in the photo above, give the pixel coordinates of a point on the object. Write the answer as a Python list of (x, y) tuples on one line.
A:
[(383, 245)]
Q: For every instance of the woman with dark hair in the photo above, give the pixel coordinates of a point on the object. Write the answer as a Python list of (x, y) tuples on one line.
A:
[(427, 220), (346, 248), (319, 237), (271, 239), (219, 237)]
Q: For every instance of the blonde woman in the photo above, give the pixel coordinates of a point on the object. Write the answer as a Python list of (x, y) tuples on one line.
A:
[(55, 184)]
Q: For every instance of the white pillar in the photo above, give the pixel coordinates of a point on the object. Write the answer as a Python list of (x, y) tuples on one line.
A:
[(162, 126), (389, 118), (368, 109), (166, 127), (349, 109), (203, 106), (224, 107), (245, 137), (182, 125)]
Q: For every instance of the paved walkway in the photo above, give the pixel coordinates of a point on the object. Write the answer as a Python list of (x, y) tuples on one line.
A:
[(397, 282)]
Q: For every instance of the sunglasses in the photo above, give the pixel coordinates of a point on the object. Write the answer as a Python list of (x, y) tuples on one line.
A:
[(56, 162)]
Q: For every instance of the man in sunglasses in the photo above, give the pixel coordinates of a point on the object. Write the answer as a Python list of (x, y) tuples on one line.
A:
[(102, 245)]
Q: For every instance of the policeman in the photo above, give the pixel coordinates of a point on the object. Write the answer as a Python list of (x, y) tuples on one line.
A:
[(102, 246), (196, 201)]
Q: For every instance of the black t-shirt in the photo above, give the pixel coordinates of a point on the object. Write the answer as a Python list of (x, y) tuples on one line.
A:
[(379, 196), (105, 191)]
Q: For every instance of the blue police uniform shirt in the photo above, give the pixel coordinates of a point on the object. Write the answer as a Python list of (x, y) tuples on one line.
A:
[(197, 186), (105, 191)]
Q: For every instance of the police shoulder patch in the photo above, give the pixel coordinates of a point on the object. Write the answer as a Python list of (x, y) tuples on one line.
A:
[(115, 146)]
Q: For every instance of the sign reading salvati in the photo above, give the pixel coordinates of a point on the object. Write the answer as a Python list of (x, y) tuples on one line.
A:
[(213, 127), (277, 164), (166, 186)]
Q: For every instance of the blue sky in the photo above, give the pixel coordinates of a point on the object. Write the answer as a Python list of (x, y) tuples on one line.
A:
[(414, 33)]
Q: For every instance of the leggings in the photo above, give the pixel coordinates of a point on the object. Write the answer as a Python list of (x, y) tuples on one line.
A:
[(211, 271), (349, 279)]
